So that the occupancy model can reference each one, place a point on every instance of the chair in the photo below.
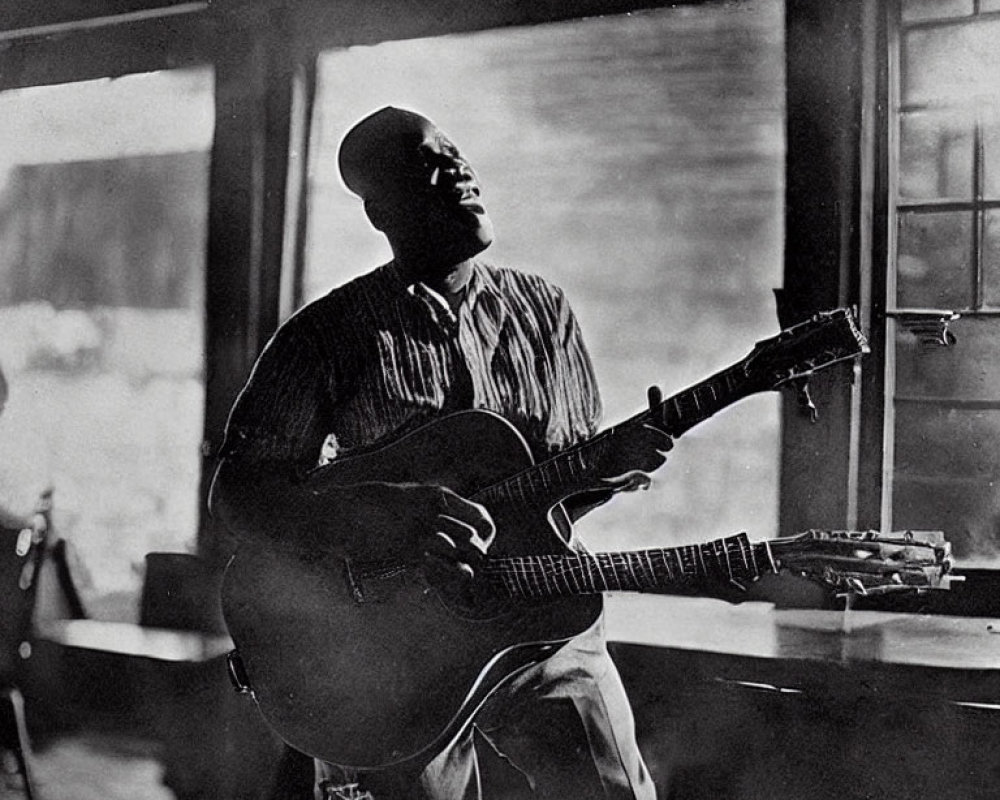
(21, 553)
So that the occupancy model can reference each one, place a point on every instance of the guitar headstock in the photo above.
(797, 352)
(868, 562)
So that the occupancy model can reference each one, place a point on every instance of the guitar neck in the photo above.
(730, 560)
(572, 470)
(826, 338)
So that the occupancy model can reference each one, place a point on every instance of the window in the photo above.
(103, 202)
(943, 404)
(637, 162)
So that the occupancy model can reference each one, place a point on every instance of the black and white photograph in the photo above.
(500, 400)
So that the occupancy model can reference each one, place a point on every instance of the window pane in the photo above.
(918, 10)
(968, 370)
(935, 160)
(991, 258)
(966, 510)
(934, 262)
(103, 202)
(956, 65)
(991, 152)
(927, 444)
(637, 162)
(945, 462)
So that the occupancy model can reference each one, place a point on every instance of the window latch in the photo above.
(929, 325)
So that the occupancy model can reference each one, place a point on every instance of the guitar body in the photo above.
(371, 670)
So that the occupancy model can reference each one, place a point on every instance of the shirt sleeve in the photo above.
(581, 398)
(279, 415)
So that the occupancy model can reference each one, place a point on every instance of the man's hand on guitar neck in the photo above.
(629, 454)
(633, 452)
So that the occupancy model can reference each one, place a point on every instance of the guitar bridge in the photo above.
(359, 577)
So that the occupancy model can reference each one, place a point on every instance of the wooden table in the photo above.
(123, 638)
(170, 686)
(750, 701)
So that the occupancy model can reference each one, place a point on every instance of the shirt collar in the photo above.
(482, 285)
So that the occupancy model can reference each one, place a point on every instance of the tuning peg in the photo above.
(805, 400)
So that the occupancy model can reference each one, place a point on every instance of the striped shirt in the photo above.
(379, 356)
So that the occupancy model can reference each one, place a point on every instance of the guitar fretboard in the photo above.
(733, 560)
(572, 470)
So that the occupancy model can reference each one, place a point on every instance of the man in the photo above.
(435, 331)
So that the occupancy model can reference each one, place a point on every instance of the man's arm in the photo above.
(267, 491)
(367, 521)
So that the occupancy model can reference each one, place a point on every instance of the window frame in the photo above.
(975, 205)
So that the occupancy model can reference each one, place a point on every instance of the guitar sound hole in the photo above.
(473, 599)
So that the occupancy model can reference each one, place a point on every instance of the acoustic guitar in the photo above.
(372, 665)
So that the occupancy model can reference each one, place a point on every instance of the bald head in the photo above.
(379, 150)
(419, 190)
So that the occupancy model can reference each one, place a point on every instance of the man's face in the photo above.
(436, 201)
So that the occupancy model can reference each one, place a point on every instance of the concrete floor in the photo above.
(94, 767)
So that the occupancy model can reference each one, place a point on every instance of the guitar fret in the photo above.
(576, 578)
(526, 577)
(517, 574)
(535, 578)
(701, 560)
(652, 570)
(631, 569)
(556, 467)
(677, 407)
(521, 491)
(743, 555)
(729, 564)
(545, 575)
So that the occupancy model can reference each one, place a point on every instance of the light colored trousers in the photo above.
(562, 729)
